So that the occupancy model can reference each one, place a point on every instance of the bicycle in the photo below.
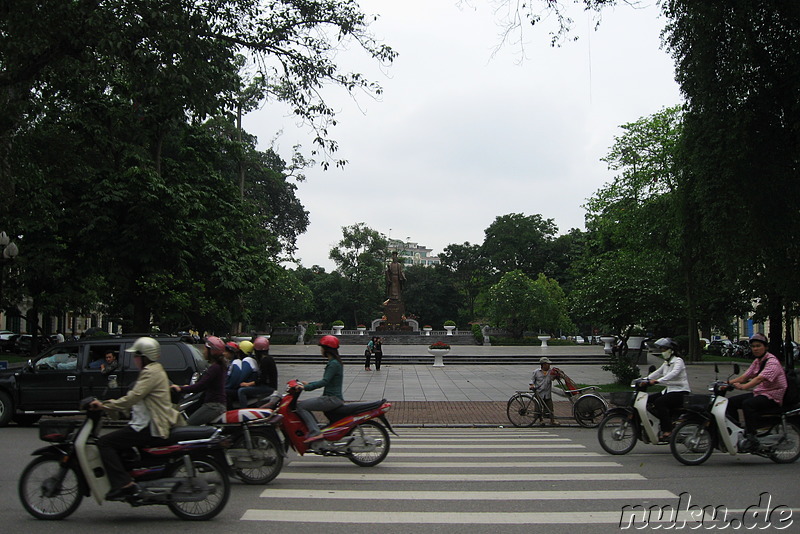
(524, 408)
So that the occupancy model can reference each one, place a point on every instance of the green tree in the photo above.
(430, 294)
(518, 303)
(519, 242)
(360, 258)
(737, 65)
(469, 271)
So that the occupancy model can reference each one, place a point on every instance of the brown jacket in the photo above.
(151, 388)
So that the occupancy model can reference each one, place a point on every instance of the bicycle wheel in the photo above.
(691, 443)
(788, 450)
(588, 410)
(617, 434)
(49, 490)
(523, 410)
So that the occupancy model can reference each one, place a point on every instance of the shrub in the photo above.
(449, 323)
(439, 345)
(478, 333)
(311, 332)
(338, 323)
(623, 369)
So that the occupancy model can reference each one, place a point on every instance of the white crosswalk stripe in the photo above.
(430, 471)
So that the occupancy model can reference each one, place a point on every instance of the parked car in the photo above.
(6, 340)
(57, 379)
(716, 347)
(23, 343)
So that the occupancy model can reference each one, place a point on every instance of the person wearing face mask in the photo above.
(766, 378)
(672, 374)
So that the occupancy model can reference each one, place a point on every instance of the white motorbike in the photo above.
(628, 421)
(704, 426)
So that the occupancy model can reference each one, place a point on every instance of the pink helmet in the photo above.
(261, 343)
(215, 345)
(329, 341)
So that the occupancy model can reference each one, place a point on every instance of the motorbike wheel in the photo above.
(523, 410)
(268, 449)
(370, 444)
(691, 443)
(787, 451)
(588, 410)
(220, 489)
(617, 434)
(48, 493)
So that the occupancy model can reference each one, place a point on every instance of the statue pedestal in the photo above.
(394, 311)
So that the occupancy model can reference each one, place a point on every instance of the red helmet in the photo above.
(329, 341)
(261, 343)
(215, 345)
(232, 346)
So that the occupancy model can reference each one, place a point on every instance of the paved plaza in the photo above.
(462, 394)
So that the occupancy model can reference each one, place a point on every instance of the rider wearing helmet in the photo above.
(766, 378)
(212, 383)
(672, 374)
(152, 417)
(332, 396)
(266, 381)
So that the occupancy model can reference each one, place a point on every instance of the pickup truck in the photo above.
(54, 382)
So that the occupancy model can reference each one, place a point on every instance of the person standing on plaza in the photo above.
(368, 353)
(542, 383)
(377, 351)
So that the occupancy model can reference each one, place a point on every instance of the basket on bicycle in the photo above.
(56, 431)
(621, 398)
(695, 402)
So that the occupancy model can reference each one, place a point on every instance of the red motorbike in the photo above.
(353, 430)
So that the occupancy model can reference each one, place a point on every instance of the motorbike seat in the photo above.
(188, 433)
(352, 408)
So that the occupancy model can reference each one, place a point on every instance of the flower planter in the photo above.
(607, 340)
(361, 330)
(427, 330)
(438, 355)
(543, 339)
(337, 330)
(449, 329)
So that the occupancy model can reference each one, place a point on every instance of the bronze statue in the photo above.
(395, 278)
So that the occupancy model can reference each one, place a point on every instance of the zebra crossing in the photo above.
(461, 477)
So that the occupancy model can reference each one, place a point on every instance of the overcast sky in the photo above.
(462, 135)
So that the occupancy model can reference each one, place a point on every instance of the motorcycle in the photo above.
(352, 432)
(704, 426)
(629, 420)
(187, 475)
(256, 454)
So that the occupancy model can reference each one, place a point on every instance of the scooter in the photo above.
(629, 421)
(256, 455)
(704, 426)
(188, 475)
(353, 431)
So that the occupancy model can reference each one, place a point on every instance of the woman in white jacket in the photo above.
(672, 374)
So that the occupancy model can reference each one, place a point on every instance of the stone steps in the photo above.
(453, 358)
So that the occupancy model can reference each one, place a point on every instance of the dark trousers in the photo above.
(752, 406)
(367, 355)
(664, 405)
(122, 440)
(378, 358)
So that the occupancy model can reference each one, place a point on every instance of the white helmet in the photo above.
(147, 347)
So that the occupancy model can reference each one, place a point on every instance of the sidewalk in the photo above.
(462, 394)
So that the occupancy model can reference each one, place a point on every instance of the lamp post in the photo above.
(8, 251)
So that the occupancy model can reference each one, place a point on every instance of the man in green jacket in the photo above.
(152, 417)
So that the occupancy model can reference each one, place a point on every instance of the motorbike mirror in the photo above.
(736, 368)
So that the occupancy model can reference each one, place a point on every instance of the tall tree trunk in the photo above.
(775, 303)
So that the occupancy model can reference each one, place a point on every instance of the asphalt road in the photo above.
(450, 480)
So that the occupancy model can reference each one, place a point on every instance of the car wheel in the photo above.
(6, 408)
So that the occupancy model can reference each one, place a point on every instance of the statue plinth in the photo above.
(394, 311)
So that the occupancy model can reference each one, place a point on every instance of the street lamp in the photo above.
(9, 252)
